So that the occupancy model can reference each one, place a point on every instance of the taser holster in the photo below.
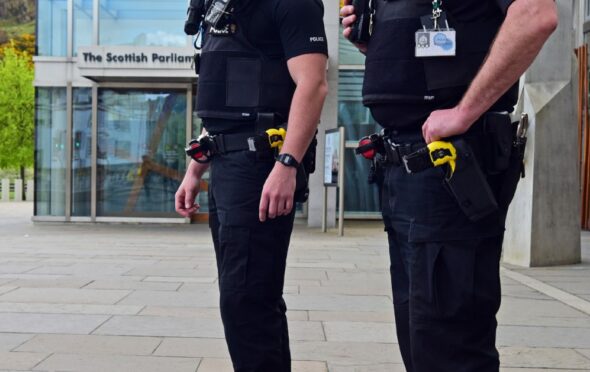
(469, 185)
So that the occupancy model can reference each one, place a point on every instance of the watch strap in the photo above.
(288, 160)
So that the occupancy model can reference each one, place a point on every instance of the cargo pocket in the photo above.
(443, 281)
(234, 247)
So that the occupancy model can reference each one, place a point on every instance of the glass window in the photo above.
(82, 23)
(50, 154)
(197, 127)
(360, 196)
(140, 22)
(351, 113)
(141, 160)
(81, 151)
(348, 53)
(52, 27)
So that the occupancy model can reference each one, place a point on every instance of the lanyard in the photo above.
(436, 12)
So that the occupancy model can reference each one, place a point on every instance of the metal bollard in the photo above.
(30, 195)
(5, 190)
(18, 190)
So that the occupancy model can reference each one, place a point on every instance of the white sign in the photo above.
(128, 61)
(332, 157)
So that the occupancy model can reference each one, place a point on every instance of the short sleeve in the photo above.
(301, 27)
(504, 4)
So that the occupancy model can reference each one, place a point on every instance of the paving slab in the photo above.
(139, 297)
(50, 323)
(116, 363)
(55, 282)
(584, 352)
(193, 348)
(224, 365)
(161, 327)
(346, 353)
(120, 283)
(338, 302)
(90, 309)
(360, 332)
(353, 316)
(10, 341)
(20, 361)
(548, 337)
(65, 296)
(527, 357)
(90, 344)
(177, 299)
(388, 367)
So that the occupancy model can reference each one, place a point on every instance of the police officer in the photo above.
(265, 68)
(423, 85)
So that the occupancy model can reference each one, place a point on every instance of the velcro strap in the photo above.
(418, 161)
(224, 143)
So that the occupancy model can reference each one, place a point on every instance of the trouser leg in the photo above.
(400, 285)
(252, 261)
(455, 295)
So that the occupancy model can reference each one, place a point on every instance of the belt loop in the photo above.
(219, 144)
(265, 121)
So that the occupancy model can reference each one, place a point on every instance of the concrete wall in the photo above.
(329, 120)
(543, 226)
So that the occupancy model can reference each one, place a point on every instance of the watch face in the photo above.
(288, 160)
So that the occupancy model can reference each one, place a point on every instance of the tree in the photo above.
(23, 45)
(17, 108)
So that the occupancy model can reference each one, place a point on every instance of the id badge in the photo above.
(435, 42)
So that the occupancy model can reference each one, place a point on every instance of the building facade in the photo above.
(115, 106)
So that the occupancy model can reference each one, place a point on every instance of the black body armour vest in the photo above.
(395, 78)
(237, 80)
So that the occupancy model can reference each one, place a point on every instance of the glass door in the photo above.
(140, 151)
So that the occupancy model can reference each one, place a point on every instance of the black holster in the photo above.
(307, 167)
(500, 153)
(469, 186)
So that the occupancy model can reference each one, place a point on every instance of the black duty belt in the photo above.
(395, 152)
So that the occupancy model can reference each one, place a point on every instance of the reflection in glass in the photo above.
(357, 119)
(52, 27)
(142, 23)
(351, 113)
(197, 127)
(82, 23)
(348, 53)
(141, 160)
(81, 151)
(360, 197)
(50, 154)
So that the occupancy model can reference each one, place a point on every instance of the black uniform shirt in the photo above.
(279, 28)
(287, 27)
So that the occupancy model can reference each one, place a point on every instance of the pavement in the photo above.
(87, 297)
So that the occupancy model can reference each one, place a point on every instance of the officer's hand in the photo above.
(277, 193)
(185, 196)
(445, 123)
(347, 12)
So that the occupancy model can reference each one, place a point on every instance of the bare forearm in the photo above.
(527, 26)
(306, 108)
(196, 169)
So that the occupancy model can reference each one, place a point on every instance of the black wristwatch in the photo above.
(288, 160)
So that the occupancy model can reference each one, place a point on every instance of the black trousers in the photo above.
(251, 259)
(444, 272)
